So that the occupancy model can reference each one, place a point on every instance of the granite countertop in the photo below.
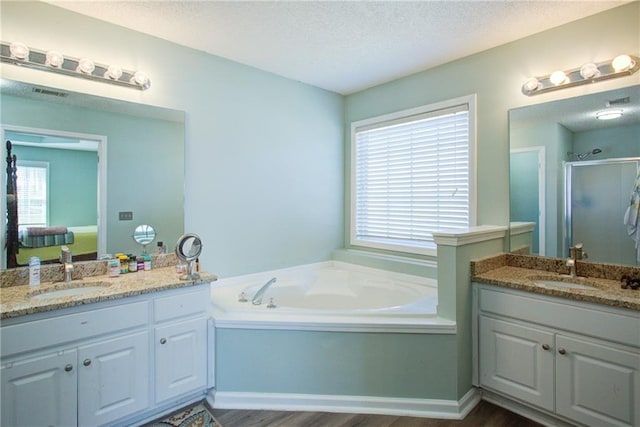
(513, 271)
(22, 300)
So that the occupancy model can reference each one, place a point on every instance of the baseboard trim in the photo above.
(432, 408)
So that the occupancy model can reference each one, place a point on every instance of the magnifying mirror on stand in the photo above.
(188, 249)
(144, 234)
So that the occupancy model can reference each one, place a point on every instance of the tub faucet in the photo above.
(67, 259)
(257, 298)
(576, 253)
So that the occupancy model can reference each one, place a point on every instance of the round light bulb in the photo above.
(54, 59)
(19, 50)
(113, 72)
(589, 71)
(140, 78)
(557, 77)
(531, 84)
(86, 66)
(622, 63)
(608, 114)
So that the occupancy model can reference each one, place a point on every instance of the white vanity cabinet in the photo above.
(88, 385)
(41, 391)
(180, 344)
(113, 378)
(517, 360)
(574, 360)
(106, 363)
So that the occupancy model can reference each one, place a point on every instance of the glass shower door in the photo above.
(596, 198)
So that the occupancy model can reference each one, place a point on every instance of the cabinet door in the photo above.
(40, 391)
(181, 358)
(517, 361)
(597, 384)
(113, 379)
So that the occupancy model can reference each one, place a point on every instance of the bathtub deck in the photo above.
(485, 414)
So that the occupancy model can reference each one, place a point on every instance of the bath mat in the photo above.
(193, 416)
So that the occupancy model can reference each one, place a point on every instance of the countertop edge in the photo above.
(131, 288)
(517, 278)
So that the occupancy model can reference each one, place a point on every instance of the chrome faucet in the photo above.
(66, 258)
(257, 298)
(576, 253)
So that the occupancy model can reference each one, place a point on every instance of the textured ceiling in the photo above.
(342, 46)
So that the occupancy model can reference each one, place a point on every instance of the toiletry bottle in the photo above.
(124, 263)
(34, 271)
(133, 264)
(114, 267)
(140, 266)
(147, 262)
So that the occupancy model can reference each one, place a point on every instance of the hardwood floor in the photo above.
(484, 414)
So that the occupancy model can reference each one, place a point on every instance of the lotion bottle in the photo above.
(34, 271)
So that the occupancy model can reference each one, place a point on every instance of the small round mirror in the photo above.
(144, 234)
(188, 249)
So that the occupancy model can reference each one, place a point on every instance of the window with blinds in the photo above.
(33, 194)
(411, 176)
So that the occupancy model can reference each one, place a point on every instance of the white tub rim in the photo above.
(319, 320)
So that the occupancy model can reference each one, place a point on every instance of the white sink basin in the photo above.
(74, 290)
(563, 284)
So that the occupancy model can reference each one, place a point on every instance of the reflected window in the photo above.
(33, 194)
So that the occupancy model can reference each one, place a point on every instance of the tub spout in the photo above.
(257, 298)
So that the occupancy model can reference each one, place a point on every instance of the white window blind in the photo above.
(411, 178)
(32, 187)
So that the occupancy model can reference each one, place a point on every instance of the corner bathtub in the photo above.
(330, 296)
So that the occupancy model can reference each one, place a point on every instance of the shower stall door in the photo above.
(597, 195)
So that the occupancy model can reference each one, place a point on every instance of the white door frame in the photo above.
(102, 181)
(542, 190)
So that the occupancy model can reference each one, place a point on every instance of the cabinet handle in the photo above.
(86, 362)
(562, 351)
(163, 340)
(545, 346)
(68, 368)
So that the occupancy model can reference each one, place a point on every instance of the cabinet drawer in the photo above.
(181, 305)
(72, 327)
(555, 313)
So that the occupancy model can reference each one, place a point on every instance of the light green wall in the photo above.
(336, 363)
(73, 181)
(145, 165)
(557, 141)
(266, 172)
(496, 76)
(618, 141)
(264, 185)
(404, 265)
(455, 302)
(263, 181)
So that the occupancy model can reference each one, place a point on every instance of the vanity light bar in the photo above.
(53, 61)
(620, 66)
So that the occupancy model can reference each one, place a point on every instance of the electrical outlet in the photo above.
(125, 216)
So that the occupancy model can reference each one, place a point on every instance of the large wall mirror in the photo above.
(572, 174)
(108, 165)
